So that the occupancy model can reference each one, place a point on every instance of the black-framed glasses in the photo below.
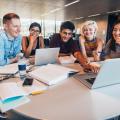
(33, 30)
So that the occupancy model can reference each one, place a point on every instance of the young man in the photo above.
(10, 40)
(68, 46)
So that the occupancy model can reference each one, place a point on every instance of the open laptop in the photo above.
(46, 55)
(108, 75)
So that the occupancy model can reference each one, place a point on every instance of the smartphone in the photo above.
(28, 81)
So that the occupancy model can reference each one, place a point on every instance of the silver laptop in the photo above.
(108, 75)
(46, 55)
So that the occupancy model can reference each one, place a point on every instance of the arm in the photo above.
(3, 56)
(82, 41)
(86, 65)
(107, 50)
(27, 50)
(17, 49)
(3, 59)
(41, 41)
(97, 53)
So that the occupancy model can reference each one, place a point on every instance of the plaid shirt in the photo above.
(9, 47)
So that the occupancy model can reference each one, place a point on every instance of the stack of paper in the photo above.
(51, 73)
(9, 69)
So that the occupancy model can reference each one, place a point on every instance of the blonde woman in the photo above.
(91, 46)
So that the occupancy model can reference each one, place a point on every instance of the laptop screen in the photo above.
(46, 55)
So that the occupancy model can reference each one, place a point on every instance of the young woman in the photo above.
(33, 41)
(112, 48)
(91, 46)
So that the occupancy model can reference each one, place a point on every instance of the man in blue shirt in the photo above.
(10, 39)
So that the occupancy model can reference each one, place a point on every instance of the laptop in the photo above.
(46, 55)
(108, 75)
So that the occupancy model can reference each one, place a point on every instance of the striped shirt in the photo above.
(90, 46)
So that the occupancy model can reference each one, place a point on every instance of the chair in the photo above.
(46, 42)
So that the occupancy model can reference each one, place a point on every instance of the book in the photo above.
(11, 96)
(9, 69)
(51, 74)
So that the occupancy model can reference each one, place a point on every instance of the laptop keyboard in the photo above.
(90, 80)
(88, 77)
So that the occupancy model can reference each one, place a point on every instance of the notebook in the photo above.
(51, 74)
(108, 75)
(46, 55)
(11, 96)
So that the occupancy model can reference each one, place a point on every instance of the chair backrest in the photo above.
(46, 42)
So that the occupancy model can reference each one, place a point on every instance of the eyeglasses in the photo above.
(33, 30)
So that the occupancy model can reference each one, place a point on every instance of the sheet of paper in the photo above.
(10, 90)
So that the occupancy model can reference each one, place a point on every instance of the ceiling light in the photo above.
(79, 18)
(94, 15)
(57, 9)
(113, 11)
(72, 3)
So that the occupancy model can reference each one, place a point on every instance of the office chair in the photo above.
(13, 115)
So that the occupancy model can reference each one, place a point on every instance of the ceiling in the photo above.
(56, 10)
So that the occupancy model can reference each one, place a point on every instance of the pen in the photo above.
(37, 92)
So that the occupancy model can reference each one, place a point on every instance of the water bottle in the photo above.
(22, 69)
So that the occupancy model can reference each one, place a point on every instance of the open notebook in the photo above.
(108, 75)
(51, 73)
(11, 96)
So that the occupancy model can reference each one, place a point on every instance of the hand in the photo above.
(33, 37)
(96, 56)
(94, 67)
(14, 60)
(32, 60)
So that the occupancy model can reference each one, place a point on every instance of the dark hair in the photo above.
(113, 45)
(9, 16)
(35, 24)
(67, 25)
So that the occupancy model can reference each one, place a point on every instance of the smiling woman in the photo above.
(112, 48)
(33, 41)
(91, 45)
